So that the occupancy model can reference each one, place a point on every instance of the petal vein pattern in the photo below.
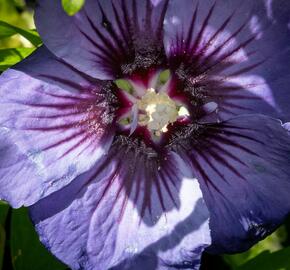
(111, 218)
(107, 39)
(230, 53)
(59, 122)
(141, 119)
(243, 167)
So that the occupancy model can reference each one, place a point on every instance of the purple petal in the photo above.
(117, 217)
(243, 168)
(287, 126)
(234, 51)
(106, 39)
(57, 120)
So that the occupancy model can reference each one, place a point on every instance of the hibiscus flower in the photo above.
(144, 132)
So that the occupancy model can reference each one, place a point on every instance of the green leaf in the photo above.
(7, 30)
(27, 252)
(71, 7)
(9, 57)
(272, 243)
(279, 260)
(2, 245)
(4, 208)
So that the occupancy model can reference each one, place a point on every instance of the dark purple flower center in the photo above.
(168, 95)
(150, 105)
(158, 110)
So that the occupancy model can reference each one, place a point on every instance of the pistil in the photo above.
(156, 111)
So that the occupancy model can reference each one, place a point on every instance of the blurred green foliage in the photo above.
(271, 244)
(9, 57)
(4, 208)
(16, 13)
(8, 30)
(20, 248)
(26, 251)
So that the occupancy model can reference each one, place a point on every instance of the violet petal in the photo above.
(95, 223)
(57, 119)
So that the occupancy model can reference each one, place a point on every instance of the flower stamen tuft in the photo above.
(157, 111)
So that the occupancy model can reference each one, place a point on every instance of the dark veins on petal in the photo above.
(129, 41)
(203, 63)
(88, 114)
(238, 160)
(149, 179)
(210, 63)
(132, 45)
